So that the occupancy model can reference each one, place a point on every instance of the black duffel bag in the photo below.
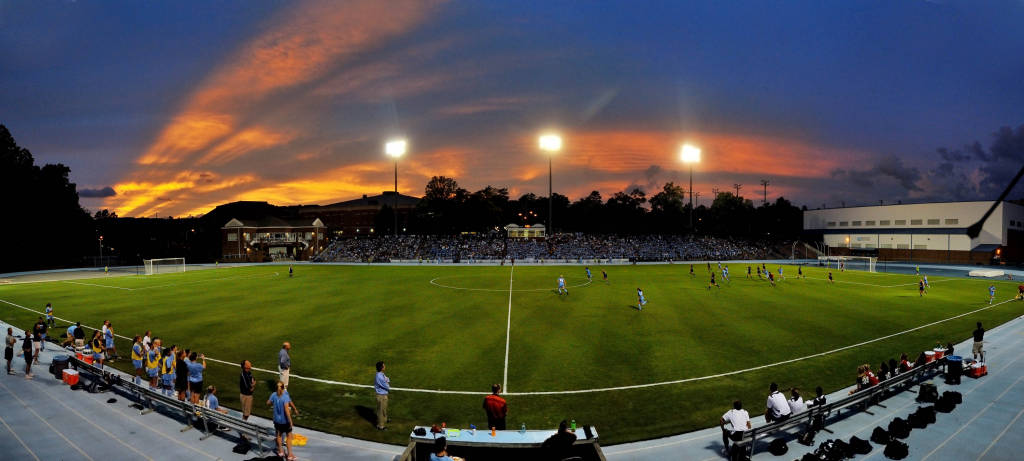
(58, 365)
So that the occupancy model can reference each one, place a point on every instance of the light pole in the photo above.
(690, 155)
(550, 143)
(765, 182)
(395, 149)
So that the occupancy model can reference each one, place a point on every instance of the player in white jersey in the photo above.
(561, 286)
(641, 301)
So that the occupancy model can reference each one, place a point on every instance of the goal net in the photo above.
(860, 263)
(164, 266)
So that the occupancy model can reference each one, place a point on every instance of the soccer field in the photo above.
(447, 333)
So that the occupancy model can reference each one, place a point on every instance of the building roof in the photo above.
(274, 221)
(385, 198)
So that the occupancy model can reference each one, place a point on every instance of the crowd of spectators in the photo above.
(576, 246)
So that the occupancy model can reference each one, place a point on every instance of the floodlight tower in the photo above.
(395, 148)
(550, 143)
(737, 187)
(764, 182)
(690, 155)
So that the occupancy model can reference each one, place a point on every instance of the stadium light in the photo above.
(395, 148)
(550, 143)
(690, 155)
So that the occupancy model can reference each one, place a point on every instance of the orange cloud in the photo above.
(248, 140)
(146, 197)
(632, 151)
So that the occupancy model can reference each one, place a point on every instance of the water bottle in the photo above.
(472, 429)
(574, 425)
(522, 428)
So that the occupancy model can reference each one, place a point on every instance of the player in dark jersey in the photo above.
(771, 278)
(691, 271)
(713, 282)
(749, 276)
(920, 287)
(830, 278)
(799, 272)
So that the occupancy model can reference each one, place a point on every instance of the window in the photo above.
(856, 223)
(309, 236)
(869, 223)
(843, 223)
(885, 245)
(884, 222)
(933, 222)
(915, 222)
(953, 221)
(920, 247)
(863, 239)
(901, 222)
(855, 245)
(902, 246)
(233, 237)
(831, 224)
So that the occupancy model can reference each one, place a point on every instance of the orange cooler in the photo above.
(70, 377)
(929, 356)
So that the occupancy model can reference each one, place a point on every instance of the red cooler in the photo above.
(939, 353)
(929, 356)
(70, 377)
(87, 359)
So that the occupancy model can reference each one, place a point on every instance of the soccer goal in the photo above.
(861, 263)
(164, 266)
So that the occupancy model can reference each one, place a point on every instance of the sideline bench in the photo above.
(859, 401)
(149, 399)
(504, 445)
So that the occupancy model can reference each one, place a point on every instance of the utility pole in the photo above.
(764, 182)
(714, 192)
(737, 187)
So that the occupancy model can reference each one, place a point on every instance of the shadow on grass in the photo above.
(367, 413)
(271, 385)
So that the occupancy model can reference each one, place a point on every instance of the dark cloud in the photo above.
(1005, 157)
(97, 193)
(886, 168)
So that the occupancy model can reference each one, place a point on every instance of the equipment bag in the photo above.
(859, 445)
(928, 413)
(899, 428)
(778, 447)
(806, 438)
(896, 450)
(957, 397)
(880, 436)
(58, 365)
(945, 405)
(928, 393)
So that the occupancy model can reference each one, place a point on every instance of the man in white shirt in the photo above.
(796, 402)
(739, 419)
(777, 406)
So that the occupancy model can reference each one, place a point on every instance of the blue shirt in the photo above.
(382, 385)
(279, 403)
(212, 402)
(71, 330)
(434, 457)
(283, 360)
(109, 334)
(195, 372)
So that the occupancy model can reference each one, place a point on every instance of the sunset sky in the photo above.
(173, 107)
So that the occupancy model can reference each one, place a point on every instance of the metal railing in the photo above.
(150, 399)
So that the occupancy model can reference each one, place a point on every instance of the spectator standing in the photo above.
(279, 400)
(49, 315)
(38, 333)
(181, 375)
(381, 387)
(979, 339)
(284, 362)
(195, 375)
(79, 335)
(496, 408)
(167, 370)
(97, 347)
(108, 338)
(153, 364)
(739, 420)
(138, 354)
(26, 350)
(777, 406)
(9, 349)
(246, 386)
(146, 341)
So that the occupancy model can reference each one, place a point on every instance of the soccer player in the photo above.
(725, 274)
(590, 278)
(917, 270)
(106, 270)
(830, 278)
(604, 275)
(561, 285)
(991, 293)
(781, 277)
(926, 285)
(709, 266)
(691, 270)
(764, 268)
(842, 266)
(799, 272)
(153, 363)
(167, 375)
(713, 283)
(291, 271)
(920, 287)
(641, 301)
(748, 273)
(108, 339)
(138, 354)
(1020, 292)
(719, 265)
(49, 315)
(759, 272)
(771, 279)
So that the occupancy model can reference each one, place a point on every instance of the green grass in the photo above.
(342, 319)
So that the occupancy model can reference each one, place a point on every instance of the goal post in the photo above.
(164, 265)
(863, 263)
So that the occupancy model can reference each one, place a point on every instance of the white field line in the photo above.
(587, 391)
(230, 277)
(434, 282)
(887, 286)
(508, 331)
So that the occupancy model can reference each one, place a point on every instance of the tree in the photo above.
(441, 188)
(105, 214)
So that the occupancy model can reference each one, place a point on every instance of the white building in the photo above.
(934, 231)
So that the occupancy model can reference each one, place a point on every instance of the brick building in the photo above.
(271, 238)
(359, 216)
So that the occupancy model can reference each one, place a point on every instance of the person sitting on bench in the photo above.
(739, 419)
(777, 408)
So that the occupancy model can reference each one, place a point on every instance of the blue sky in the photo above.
(180, 106)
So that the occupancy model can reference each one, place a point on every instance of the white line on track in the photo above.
(508, 330)
(583, 391)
